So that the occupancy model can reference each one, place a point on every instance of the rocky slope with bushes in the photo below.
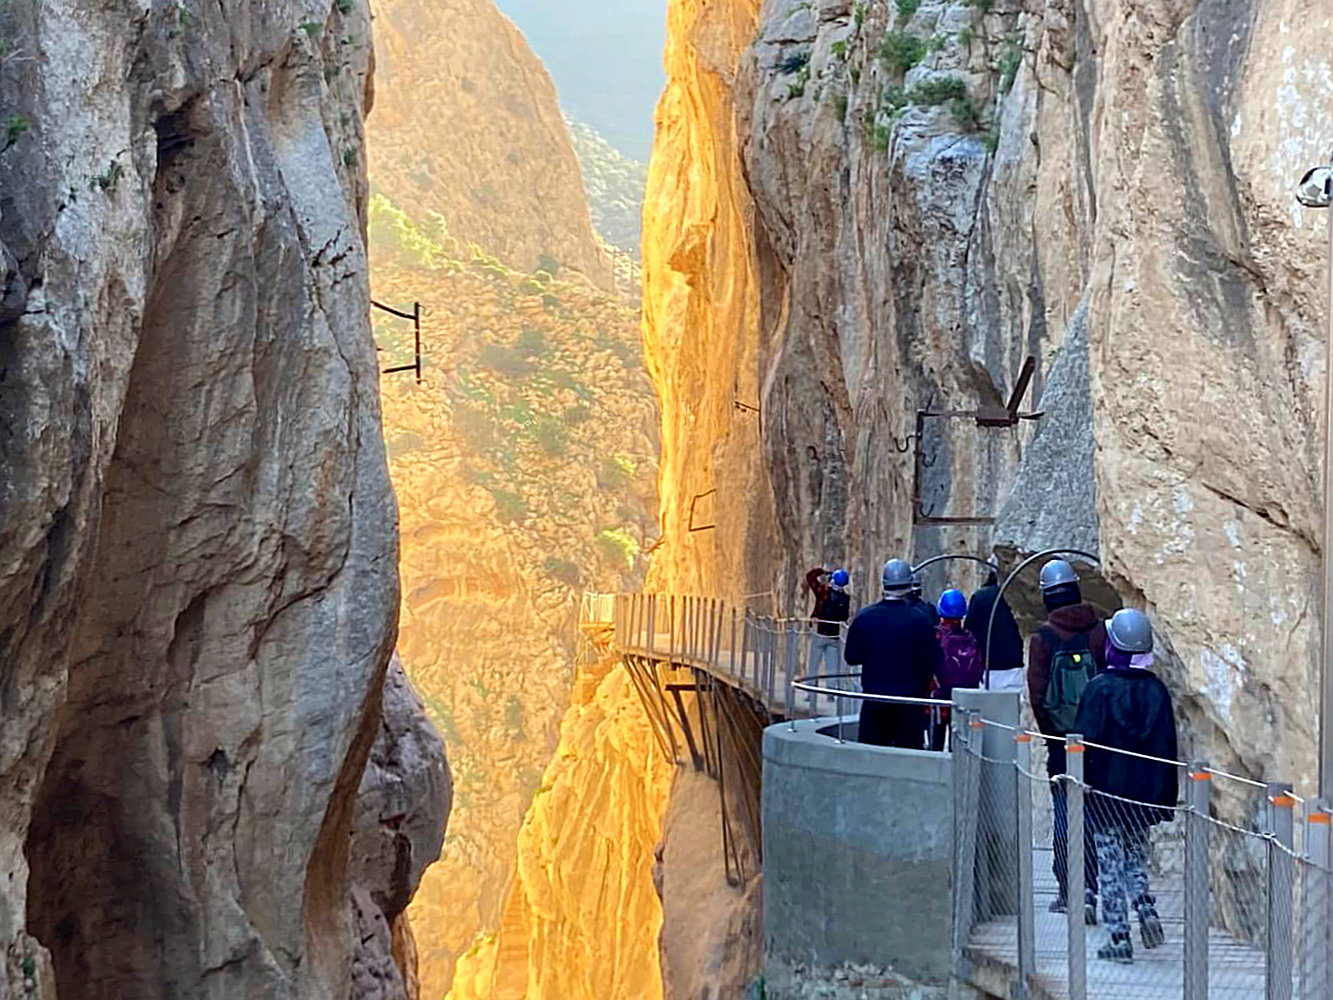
(525, 469)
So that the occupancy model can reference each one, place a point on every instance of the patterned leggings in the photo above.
(1122, 856)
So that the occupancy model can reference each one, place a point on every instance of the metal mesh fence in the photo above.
(1177, 903)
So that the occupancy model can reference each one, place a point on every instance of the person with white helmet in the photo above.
(1063, 656)
(832, 608)
(1129, 708)
(896, 647)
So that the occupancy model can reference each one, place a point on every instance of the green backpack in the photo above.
(1072, 667)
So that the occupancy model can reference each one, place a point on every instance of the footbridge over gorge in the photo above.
(894, 873)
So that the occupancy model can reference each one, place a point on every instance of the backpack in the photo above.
(1072, 668)
(961, 666)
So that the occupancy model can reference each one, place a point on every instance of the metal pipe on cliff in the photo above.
(1316, 191)
(1326, 550)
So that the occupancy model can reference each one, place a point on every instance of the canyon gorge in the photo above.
(253, 591)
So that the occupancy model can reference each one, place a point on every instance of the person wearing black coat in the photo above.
(1129, 708)
(1006, 644)
(898, 652)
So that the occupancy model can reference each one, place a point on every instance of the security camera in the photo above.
(1316, 188)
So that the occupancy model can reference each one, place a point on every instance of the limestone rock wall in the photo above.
(582, 915)
(198, 586)
(467, 125)
(934, 192)
(402, 809)
(702, 310)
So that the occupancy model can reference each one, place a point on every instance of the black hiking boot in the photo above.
(1150, 926)
(1118, 949)
(1090, 908)
(1058, 905)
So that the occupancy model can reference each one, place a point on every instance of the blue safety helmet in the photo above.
(840, 578)
(953, 604)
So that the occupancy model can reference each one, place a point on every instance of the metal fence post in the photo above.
(747, 643)
(1315, 924)
(732, 670)
(772, 686)
(1027, 918)
(1077, 931)
(1280, 882)
(792, 646)
(968, 743)
(1198, 886)
(652, 625)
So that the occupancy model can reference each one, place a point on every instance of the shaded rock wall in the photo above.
(198, 584)
(933, 198)
(467, 125)
(402, 808)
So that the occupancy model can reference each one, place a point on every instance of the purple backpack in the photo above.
(962, 667)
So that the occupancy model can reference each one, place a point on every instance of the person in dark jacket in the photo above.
(1069, 624)
(920, 603)
(896, 648)
(1129, 708)
(832, 608)
(1005, 666)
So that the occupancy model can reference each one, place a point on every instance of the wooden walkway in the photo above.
(1235, 971)
(765, 684)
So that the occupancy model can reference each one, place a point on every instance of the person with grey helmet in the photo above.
(1129, 708)
(896, 648)
(1063, 656)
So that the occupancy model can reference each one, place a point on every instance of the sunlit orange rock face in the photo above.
(703, 331)
(702, 313)
(582, 917)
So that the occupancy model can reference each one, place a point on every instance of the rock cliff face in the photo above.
(402, 807)
(467, 125)
(932, 192)
(701, 311)
(582, 916)
(198, 587)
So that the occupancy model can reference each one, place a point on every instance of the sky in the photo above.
(608, 69)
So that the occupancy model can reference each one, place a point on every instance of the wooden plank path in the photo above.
(1235, 970)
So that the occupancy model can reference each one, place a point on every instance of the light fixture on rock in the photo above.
(1316, 188)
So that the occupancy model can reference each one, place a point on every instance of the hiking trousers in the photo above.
(825, 654)
(1122, 856)
(1055, 765)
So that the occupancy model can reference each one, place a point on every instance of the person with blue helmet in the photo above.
(895, 646)
(960, 660)
(953, 605)
(833, 606)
